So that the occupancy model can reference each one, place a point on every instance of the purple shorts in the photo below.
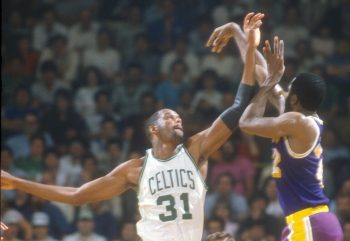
(318, 227)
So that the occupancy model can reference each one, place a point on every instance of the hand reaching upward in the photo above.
(253, 22)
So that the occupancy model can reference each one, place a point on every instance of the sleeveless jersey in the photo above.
(171, 198)
(299, 177)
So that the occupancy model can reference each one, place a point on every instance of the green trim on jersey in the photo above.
(143, 168)
(197, 167)
(170, 158)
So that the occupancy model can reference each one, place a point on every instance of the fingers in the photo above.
(248, 17)
(257, 17)
(281, 49)
(275, 45)
(212, 38)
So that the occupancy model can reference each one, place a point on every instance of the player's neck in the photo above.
(163, 151)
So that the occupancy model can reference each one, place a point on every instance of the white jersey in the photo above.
(171, 198)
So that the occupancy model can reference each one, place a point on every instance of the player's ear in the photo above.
(294, 100)
(153, 129)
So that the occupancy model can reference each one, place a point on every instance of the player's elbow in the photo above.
(244, 125)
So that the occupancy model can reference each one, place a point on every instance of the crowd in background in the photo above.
(79, 78)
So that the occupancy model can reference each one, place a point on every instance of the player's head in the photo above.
(165, 125)
(306, 93)
(220, 236)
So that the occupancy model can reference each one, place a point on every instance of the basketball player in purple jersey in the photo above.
(296, 137)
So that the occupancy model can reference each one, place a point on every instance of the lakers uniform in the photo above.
(171, 198)
(299, 180)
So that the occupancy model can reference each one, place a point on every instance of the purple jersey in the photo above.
(299, 176)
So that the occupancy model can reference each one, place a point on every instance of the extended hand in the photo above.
(220, 37)
(275, 61)
(252, 22)
(7, 181)
(3, 227)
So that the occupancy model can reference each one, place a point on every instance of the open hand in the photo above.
(252, 22)
(275, 61)
(7, 181)
(220, 37)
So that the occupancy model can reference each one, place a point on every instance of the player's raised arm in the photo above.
(252, 120)
(208, 141)
(112, 184)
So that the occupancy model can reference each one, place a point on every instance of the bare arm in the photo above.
(210, 140)
(114, 183)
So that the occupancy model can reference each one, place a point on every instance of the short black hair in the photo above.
(7, 149)
(48, 66)
(310, 90)
(152, 120)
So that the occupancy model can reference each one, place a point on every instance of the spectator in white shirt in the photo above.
(40, 222)
(82, 35)
(104, 56)
(85, 228)
(183, 53)
(66, 60)
(46, 29)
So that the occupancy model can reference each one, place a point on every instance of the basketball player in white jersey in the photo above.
(170, 177)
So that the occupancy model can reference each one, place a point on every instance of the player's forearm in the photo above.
(255, 109)
(241, 41)
(48, 192)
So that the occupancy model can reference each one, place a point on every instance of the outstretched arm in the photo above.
(202, 145)
(114, 183)
(252, 120)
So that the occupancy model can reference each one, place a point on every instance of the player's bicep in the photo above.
(106, 187)
(210, 140)
(269, 127)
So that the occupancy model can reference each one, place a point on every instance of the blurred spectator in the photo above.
(223, 194)
(84, 102)
(13, 113)
(141, 53)
(82, 35)
(58, 225)
(183, 53)
(102, 215)
(338, 66)
(273, 207)
(220, 236)
(214, 225)
(108, 131)
(322, 42)
(71, 164)
(292, 30)
(135, 122)
(13, 76)
(346, 229)
(48, 84)
(229, 9)
(7, 164)
(165, 26)
(52, 167)
(47, 29)
(224, 211)
(33, 163)
(62, 121)
(258, 224)
(85, 227)
(128, 232)
(66, 60)
(168, 92)
(226, 66)
(342, 206)
(27, 54)
(127, 95)
(103, 110)
(40, 222)
(89, 170)
(15, 223)
(199, 36)
(20, 143)
(128, 29)
(114, 156)
(306, 57)
(238, 165)
(104, 56)
(208, 99)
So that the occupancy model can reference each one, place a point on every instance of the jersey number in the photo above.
(170, 207)
(276, 170)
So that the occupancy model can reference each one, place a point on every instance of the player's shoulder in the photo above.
(294, 116)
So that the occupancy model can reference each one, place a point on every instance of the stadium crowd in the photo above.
(79, 77)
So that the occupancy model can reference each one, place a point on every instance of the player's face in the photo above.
(170, 126)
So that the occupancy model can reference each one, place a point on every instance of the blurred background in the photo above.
(79, 77)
